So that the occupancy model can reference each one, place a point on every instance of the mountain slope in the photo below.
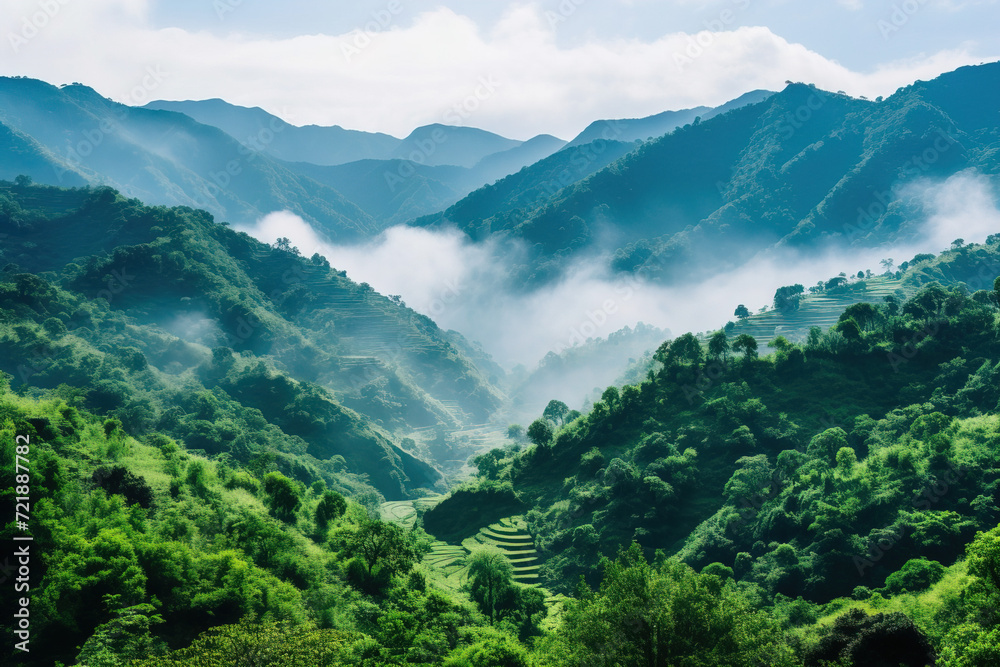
(265, 132)
(164, 158)
(787, 469)
(437, 144)
(291, 340)
(398, 191)
(794, 169)
(651, 127)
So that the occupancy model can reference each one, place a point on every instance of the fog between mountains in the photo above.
(465, 286)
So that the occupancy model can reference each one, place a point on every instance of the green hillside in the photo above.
(802, 168)
(78, 137)
(150, 304)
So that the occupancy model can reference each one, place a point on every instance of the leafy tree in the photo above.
(515, 432)
(742, 312)
(491, 583)
(555, 411)
(863, 314)
(492, 648)
(883, 639)
(984, 559)
(540, 432)
(331, 506)
(249, 644)
(119, 479)
(786, 298)
(747, 345)
(718, 345)
(664, 614)
(283, 496)
(918, 574)
(385, 545)
(827, 444)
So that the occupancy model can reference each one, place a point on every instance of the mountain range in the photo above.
(803, 168)
(241, 163)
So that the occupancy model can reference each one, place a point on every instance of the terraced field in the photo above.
(513, 540)
(815, 310)
(404, 512)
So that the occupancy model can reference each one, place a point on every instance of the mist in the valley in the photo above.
(465, 286)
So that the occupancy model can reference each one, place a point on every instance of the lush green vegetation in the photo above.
(807, 167)
(854, 467)
(169, 322)
(208, 466)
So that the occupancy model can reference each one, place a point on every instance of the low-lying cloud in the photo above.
(467, 287)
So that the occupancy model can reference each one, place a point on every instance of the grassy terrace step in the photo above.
(500, 528)
(504, 536)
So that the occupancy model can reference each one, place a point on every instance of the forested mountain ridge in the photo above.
(795, 169)
(651, 127)
(279, 139)
(169, 298)
(79, 137)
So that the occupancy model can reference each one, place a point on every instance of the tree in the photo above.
(957, 243)
(742, 312)
(718, 346)
(883, 639)
(120, 480)
(836, 282)
(515, 432)
(383, 544)
(825, 445)
(887, 265)
(685, 348)
(787, 298)
(282, 493)
(491, 583)
(849, 329)
(864, 315)
(664, 614)
(22, 181)
(331, 506)
(556, 411)
(540, 432)
(984, 559)
(747, 345)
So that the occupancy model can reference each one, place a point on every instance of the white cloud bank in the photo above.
(414, 70)
(463, 286)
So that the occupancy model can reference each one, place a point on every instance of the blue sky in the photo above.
(518, 68)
